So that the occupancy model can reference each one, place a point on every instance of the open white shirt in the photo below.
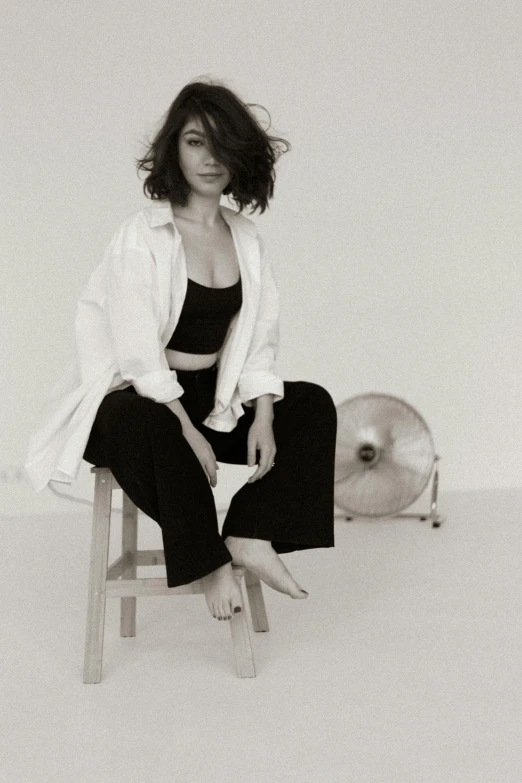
(125, 317)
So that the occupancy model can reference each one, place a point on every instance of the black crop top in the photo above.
(205, 317)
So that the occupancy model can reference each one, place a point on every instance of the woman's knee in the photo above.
(134, 413)
(317, 398)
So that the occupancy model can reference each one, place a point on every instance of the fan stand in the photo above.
(435, 518)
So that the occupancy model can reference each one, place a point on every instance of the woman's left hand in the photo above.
(261, 436)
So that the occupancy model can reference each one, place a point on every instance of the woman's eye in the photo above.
(194, 141)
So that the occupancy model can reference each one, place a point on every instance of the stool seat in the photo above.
(119, 579)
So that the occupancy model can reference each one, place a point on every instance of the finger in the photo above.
(254, 477)
(212, 473)
(251, 459)
(261, 470)
(213, 460)
(264, 464)
(270, 458)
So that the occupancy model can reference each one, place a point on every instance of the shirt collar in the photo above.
(161, 214)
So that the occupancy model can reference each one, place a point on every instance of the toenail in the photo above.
(237, 609)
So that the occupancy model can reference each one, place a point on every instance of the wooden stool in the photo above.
(119, 579)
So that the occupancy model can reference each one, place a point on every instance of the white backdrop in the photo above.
(394, 230)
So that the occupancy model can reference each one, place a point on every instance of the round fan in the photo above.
(384, 455)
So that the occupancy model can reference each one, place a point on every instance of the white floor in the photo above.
(402, 665)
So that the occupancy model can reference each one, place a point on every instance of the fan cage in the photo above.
(391, 509)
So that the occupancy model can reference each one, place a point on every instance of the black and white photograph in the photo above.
(260, 477)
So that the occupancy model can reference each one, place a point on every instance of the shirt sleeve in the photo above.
(133, 313)
(258, 375)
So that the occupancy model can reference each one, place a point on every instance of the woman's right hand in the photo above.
(203, 451)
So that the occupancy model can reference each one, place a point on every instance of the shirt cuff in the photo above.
(160, 385)
(255, 384)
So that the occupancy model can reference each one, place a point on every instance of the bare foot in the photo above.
(261, 558)
(222, 592)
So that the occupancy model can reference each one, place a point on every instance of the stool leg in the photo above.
(92, 669)
(256, 601)
(241, 641)
(129, 547)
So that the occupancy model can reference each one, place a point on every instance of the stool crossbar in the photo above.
(119, 579)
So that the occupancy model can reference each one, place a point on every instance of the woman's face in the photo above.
(196, 160)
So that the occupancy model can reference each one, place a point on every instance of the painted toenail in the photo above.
(237, 609)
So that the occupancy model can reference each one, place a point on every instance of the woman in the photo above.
(177, 336)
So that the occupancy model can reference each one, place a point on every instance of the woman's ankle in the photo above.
(220, 572)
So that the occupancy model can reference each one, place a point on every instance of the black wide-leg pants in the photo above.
(292, 505)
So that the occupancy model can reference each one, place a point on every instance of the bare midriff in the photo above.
(179, 360)
(211, 259)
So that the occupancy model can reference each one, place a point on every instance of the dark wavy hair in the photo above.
(238, 142)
